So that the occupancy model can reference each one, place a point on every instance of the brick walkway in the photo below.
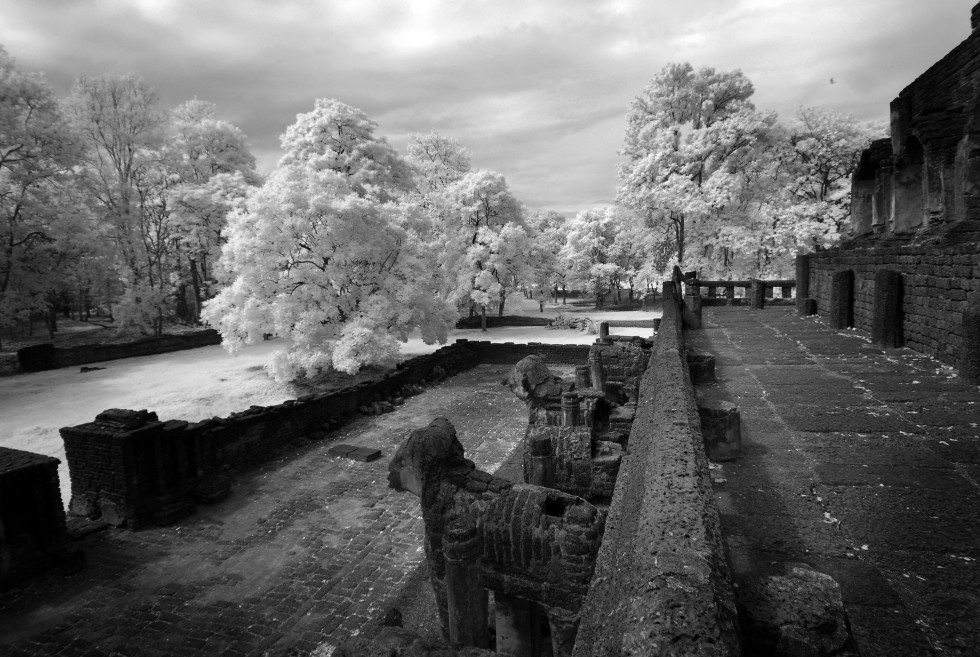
(861, 462)
(303, 554)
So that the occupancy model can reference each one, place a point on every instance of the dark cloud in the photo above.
(537, 91)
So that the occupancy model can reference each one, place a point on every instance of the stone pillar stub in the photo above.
(886, 320)
(842, 299)
(721, 426)
(464, 590)
(758, 294)
(970, 358)
(603, 330)
(702, 367)
(517, 625)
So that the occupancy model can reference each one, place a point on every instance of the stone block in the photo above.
(341, 450)
(702, 367)
(721, 427)
(365, 454)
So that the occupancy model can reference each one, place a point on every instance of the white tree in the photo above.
(341, 277)
(124, 132)
(45, 228)
(211, 167)
(478, 207)
(689, 136)
(588, 252)
(340, 138)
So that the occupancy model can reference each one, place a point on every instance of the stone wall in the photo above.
(662, 584)
(936, 284)
(33, 534)
(41, 357)
(130, 468)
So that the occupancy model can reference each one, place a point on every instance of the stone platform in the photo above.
(859, 461)
(305, 553)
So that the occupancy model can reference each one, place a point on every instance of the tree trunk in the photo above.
(500, 308)
(564, 291)
(52, 320)
(196, 283)
(556, 293)
(483, 319)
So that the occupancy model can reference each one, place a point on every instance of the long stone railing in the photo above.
(754, 291)
(662, 585)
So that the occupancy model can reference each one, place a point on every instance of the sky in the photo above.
(537, 90)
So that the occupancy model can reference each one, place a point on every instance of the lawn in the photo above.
(201, 383)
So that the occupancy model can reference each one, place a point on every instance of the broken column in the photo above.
(702, 367)
(721, 427)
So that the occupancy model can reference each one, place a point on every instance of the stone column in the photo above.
(539, 460)
(758, 294)
(970, 356)
(691, 316)
(464, 588)
(886, 320)
(802, 283)
(582, 379)
(564, 627)
(569, 409)
(842, 299)
(603, 330)
(517, 625)
(598, 375)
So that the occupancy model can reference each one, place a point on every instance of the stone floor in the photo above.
(304, 554)
(861, 462)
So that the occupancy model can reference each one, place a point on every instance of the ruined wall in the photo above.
(936, 284)
(915, 210)
(131, 469)
(928, 173)
(42, 357)
(662, 583)
(32, 523)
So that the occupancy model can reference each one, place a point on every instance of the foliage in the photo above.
(340, 138)
(45, 229)
(341, 277)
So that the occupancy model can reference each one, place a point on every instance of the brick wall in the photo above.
(936, 281)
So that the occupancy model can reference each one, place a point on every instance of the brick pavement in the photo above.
(863, 463)
(304, 554)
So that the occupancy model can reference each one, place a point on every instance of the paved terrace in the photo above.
(861, 462)
(304, 553)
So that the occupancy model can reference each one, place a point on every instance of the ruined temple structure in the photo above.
(927, 175)
(578, 430)
(530, 545)
(33, 534)
(909, 272)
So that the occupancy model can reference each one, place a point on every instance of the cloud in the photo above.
(537, 91)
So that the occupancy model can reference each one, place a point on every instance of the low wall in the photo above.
(130, 468)
(502, 353)
(936, 284)
(662, 584)
(37, 358)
